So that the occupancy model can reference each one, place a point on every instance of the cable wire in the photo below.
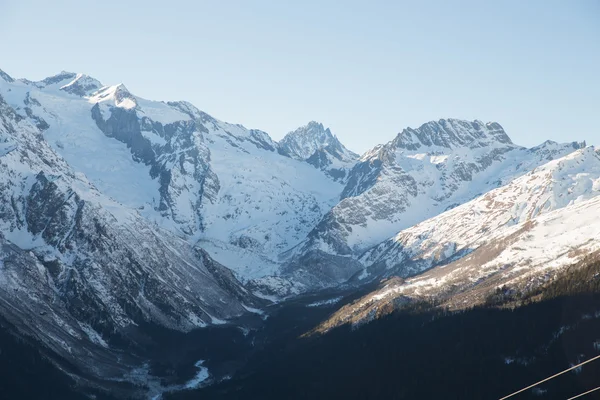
(551, 377)
(583, 394)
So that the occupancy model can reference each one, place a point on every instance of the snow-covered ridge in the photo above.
(451, 133)
(82, 85)
(6, 77)
(526, 254)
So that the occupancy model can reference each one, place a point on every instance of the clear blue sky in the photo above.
(366, 69)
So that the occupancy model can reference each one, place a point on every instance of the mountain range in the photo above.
(118, 212)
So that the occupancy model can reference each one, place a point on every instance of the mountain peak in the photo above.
(452, 133)
(82, 85)
(314, 130)
(316, 125)
(306, 140)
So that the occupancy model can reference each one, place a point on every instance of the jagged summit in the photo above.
(316, 145)
(306, 140)
(450, 134)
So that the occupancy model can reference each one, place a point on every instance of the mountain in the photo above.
(78, 269)
(319, 147)
(419, 174)
(517, 236)
(230, 188)
(119, 212)
(560, 183)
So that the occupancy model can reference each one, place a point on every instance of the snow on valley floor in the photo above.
(200, 377)
(156, 390)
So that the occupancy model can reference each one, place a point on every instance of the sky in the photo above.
(366, 69)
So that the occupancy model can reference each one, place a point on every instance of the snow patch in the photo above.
(325, 302)
(201, 376)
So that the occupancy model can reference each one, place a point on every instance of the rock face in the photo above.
(180, 164)
(419, 174)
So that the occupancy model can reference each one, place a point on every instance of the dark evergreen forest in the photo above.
(484, 353)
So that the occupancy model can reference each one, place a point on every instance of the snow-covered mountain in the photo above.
(253, 203)
(306, 203)
(232, 188)
(557, 184)
(419, 174)
(75, 265)
(516, 236)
